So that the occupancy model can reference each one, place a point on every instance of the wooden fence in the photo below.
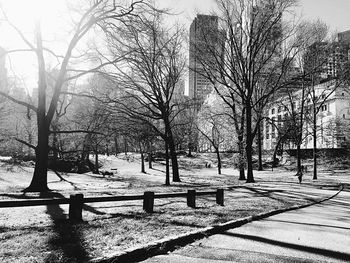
(77, 201)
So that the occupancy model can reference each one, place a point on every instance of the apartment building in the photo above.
(332, 119)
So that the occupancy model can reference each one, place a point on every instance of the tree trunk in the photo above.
(241, 162)
(125, 146)
(260, 166)
(175, 165)
(116, 146)
(274, 156)
(142, 160)
(84, 159)
(96, 168)
(189, 150)
(298, 158)
(249, 145)
(39, 180)
(107, 149)
(150, 156)
(314, 150)
(55, 148)
(219, 159)
(167, 170)
(142, 163)
(171, 145)
(150, 160)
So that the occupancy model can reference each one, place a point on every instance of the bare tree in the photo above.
(325, 66)
(149, 74)
(93, 14)
(185, 131)
(293, 98)
(214, 125)
(250, 62)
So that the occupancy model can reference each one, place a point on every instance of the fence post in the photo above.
(220, 196)
(76, 207)
(191, 198)
(148, 201)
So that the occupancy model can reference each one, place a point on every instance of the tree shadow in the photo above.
(308, 224)
(66, 242)
(20, 196)
(314, 250)
(159, 170)
(190, 185)
(93, 210)
(65, 180)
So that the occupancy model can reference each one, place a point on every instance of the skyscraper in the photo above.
(326, 59)
(203, 33)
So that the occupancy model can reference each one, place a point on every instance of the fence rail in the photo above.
(77, 201)
(34, 202)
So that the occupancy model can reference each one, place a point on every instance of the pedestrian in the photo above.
(300, 176)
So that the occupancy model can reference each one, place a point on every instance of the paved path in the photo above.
(319, 233)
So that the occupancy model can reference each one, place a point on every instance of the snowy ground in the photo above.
(116, 226)
(129, 180)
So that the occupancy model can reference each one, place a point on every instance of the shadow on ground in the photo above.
(318, 251)
(66, 241)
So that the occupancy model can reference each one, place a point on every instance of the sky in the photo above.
(335, 13)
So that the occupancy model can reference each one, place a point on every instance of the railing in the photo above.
(77, 201)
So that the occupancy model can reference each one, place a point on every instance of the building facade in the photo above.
(203, 33)
(332, 118)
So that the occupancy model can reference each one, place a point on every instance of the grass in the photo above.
(42, 234)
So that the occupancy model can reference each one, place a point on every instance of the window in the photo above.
(279, 121)
(324, 108)
(343, 116)
(273, 111)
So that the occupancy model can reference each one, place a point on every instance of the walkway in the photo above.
(319, 233)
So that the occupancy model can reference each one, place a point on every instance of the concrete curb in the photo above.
(162, 246)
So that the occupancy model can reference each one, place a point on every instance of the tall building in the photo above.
(266, 25)
(179, 90)
(203, 35)
(325, 60)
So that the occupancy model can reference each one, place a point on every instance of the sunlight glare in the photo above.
(24, 12)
